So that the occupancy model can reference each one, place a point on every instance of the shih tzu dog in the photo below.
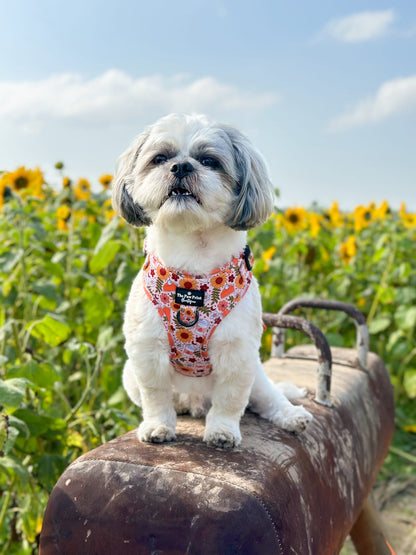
(193, 319)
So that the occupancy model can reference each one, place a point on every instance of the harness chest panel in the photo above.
(191, 307)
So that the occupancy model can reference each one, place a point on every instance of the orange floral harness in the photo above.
(191, 307)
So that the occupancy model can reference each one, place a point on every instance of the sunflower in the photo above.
(184, 335)
(363, 216)
(409, 220)
(63, 214)
(106, 180)
(109, 212)
(314, 224)
(268, 254)
(219, 280)
(189, 313)
(188, 283)
(25, 181)
(66, 182)
(162, 272)
(335, 217)
(278, 220)
(383, 211)
(348, 249)
(175, 306)
(82, 189)
(3, 187)
(295, 219)
(240, 281)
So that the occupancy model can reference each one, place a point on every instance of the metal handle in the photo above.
(323, 350)
(363, 337)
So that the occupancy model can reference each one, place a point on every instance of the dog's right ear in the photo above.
(123, 183)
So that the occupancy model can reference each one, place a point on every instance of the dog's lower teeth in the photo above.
(176, 193)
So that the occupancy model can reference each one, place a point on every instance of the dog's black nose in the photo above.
(182, 170)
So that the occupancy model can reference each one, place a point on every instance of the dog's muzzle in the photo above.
(181, 188)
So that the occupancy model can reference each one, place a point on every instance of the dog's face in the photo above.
(186, 172)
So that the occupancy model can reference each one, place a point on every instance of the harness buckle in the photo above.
(247, 253)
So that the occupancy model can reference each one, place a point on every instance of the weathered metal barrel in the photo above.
(277, 493)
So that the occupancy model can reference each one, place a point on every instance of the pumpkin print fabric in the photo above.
(191, 307)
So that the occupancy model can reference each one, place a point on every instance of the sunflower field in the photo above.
(66, 266)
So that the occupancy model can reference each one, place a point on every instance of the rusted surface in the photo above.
(327, 304)
(323, 352)
(363, 338)
(368, 535)
(277, 493)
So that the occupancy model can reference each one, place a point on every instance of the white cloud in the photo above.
(116, 97)
(360, 26)
(393, 97)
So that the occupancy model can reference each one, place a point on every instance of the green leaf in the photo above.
(39, 424)
(9, 260)
(12, 392)
(379, 324)
(387, 294)
(19, 425)
(51, 330)
(405, 317)
(97, 306)
(107, 234)
(106, 339)
(46, 289)
(335, 339)
(50, 467)
(4, 431)
(48, 294)
(409, 383)
(13, 464)
(394, 337)
(406, 295)
(42, 375)
(104, 256)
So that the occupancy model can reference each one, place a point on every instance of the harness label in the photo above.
(190, 297)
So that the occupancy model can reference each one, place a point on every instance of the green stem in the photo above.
(6, 502)
(70, 257)
(383, 283)
(17, 340)
(406, 361)
(88, 388)
(403, 454)
(24, 281)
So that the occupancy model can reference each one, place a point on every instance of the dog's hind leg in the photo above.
(130, 384)
(271, 402)
(195, 405)
(290, 390)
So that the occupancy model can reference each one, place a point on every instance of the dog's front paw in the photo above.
(225, 435)
(225, 440)
(297, 420)
(155, 433)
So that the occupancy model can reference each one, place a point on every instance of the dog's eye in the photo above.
(159, 159)
(210, 162)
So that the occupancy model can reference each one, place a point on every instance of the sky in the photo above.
(325, 90)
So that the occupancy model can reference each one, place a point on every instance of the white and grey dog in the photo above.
(193, 319)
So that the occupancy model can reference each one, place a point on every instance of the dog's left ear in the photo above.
(255, 197)
(123, 183)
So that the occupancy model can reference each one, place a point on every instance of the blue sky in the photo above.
(326, 90)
